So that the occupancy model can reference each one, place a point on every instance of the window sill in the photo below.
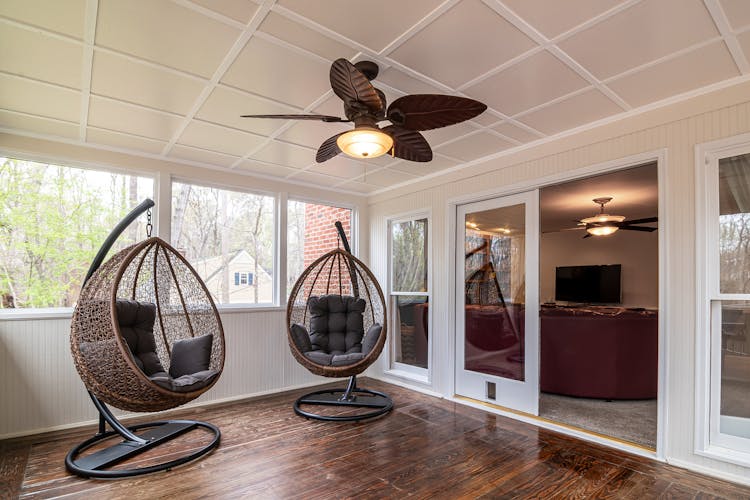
(41, 313)
(50, 313)
(725, 455)
(244, 308)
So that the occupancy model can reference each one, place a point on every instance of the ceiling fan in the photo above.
(365, 106)
(604, 224)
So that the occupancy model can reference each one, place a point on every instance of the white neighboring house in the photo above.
(242, 278)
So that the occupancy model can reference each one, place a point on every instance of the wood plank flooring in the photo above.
(426, 448)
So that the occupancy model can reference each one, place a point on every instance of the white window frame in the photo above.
(276, 299)
(709, 441)
(395, 368)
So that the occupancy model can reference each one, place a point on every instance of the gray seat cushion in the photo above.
(346, 359)
(185, 383)
(319, 357)
(337, 331)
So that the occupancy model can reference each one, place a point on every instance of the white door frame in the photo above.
(448, 378)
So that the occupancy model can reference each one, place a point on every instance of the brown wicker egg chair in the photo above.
(336, 327)
(145, 336)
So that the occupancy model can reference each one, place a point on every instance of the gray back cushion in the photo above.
(136, 321)
(336, 323)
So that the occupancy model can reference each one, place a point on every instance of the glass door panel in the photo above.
(497, 301)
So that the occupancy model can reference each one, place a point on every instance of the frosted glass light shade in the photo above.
(364, 142)
(602, 230)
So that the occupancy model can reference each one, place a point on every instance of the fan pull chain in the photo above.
(149, 226)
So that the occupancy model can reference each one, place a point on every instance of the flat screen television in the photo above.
(588, 284)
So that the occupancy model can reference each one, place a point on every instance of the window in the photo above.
(243, 279)
(225, 233)
(409, 295)
(53, 219)
(311, 233)
(724, 318)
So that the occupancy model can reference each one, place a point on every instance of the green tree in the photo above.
(52, 221)
(409, 247)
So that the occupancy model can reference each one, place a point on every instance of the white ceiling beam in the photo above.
(722, 24)
(556, 51)
(89, 37)
(229, 58)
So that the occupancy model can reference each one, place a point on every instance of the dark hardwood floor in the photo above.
(426, 448)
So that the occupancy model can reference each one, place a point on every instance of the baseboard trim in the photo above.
(405, 384)
(743, 480)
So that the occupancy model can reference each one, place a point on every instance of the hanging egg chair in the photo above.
(336, 327)
(145, 336)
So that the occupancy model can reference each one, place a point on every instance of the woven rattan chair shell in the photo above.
(149, 271)
(331, 274)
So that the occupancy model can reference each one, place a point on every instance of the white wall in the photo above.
(638, 252)
(675, 130)
(40, 389)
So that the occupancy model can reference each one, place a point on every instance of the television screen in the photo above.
(590, 284)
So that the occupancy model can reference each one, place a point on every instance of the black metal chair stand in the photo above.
(351, 397)
(96, 464)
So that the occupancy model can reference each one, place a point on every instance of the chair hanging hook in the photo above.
(149, 225)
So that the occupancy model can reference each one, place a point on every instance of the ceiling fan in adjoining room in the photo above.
(605, 224)
(365, 106)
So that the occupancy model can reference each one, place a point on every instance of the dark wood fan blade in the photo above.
(408, 144)
(637, 228)
(323, 118)
(328, 149)
(352, 86)
(642, 221)
(428, 111)
(588, 235)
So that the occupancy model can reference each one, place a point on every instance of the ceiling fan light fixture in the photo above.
(603, 218)
(605, 230)
(365, 142)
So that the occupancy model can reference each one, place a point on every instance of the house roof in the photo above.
(211, 266)
(169, 79)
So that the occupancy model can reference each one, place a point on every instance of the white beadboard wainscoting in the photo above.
(40, 389)
(671, 133)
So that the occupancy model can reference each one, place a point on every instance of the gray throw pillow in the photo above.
(301, 338)
(371, 338)
(190, 356)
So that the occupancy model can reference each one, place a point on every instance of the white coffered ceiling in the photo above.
(169, 79)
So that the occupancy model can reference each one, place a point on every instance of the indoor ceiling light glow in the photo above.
(365, 142)
(602, 224)
(602, 230)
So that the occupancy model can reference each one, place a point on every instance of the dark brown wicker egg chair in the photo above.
(145, 336)
(336, 327)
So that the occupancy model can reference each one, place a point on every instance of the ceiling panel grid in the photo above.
(170, 78)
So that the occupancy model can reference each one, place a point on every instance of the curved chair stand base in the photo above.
(351, 397)
(94, 464)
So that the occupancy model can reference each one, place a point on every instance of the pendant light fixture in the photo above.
(602, 224)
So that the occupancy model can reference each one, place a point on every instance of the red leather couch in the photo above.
(606, 354)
